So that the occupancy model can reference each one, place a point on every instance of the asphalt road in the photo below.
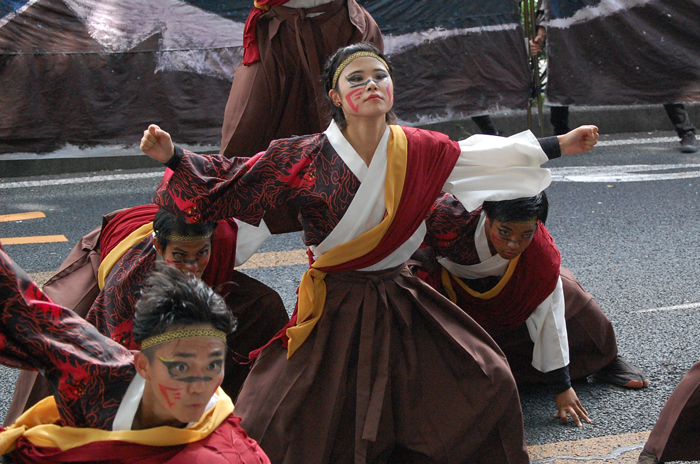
(629, 233)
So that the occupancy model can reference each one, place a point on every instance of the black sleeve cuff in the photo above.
(550, 146)
(559, 380)
(175, 160)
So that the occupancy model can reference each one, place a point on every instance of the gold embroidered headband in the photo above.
(352, 57)
(187, 238)
(179, 335)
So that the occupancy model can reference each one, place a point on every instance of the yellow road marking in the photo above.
(617, 449)
(36, 239)
(276, 258)
(21, 216)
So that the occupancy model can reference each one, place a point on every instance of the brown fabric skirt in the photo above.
(592, 343)
(282, 94)
(392, 372)
(259, 309)
(676, 434)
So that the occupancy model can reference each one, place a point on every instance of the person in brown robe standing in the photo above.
(276, 91)
(676, 435)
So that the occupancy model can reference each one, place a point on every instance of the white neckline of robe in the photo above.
(124, 419)
(488, 266)
(368, 207)
(488, 168)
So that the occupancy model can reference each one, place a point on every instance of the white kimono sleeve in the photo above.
(249, 239)
(498, 168)
(547, 328)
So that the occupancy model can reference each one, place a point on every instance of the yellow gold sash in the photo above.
(118, 251)
(38, 425)
(447, 284)
(312, 290)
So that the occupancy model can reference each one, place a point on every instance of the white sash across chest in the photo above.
(368, 207)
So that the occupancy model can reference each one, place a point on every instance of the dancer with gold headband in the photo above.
(375, 366)
(102, 276)
(160, 404)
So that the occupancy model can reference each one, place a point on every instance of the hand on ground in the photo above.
(157, 144)
(567, 403)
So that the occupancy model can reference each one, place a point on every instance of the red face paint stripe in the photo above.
(167, 392)
(353, 97)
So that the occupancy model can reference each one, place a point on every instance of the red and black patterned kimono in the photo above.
(676, 435)
(259, 309)
(391, 371)
(520, 308)
(90, 375)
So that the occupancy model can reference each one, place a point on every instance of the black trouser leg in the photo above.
(485, 124)
(559, 117)
(679, 117)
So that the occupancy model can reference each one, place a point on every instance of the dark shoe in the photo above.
(623, 374)
(689, 144)
(647, 458)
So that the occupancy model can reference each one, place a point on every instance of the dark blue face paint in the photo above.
(175, 374)
(362, 84)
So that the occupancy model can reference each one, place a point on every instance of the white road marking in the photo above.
(621, 142)
(626, 173)
(81, 180)
(669, 308)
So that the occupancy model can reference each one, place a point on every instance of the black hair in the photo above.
(170, 299)
(519, 210)
(166, 224)
(332, 65)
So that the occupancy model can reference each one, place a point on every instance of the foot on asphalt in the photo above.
(647, 458)
(623, 374)
(689, 144)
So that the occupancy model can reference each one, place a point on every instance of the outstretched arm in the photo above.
(89, 372)
(157, 144)
(579, 140)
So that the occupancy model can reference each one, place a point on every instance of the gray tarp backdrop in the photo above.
(99, 71)
(622, 52)
(91, 72)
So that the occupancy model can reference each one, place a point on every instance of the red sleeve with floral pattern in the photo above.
(305, 172)
(89, 373)
(112, 313)
(451, 230)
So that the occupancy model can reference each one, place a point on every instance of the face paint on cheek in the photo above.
(390, 92)
(170, 394)
(353, 97)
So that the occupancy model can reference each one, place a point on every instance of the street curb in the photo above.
(609, 119)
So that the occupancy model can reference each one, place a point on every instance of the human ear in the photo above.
(143, 365)
(335, 97)
(159, 249)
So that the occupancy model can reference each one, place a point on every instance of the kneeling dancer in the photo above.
(501, 266)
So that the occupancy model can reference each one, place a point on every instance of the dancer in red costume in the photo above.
(501, 266)
(102, 276)
(111, 405)
(375, 366)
